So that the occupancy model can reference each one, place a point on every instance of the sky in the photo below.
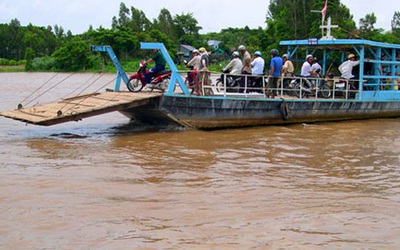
(212, 15)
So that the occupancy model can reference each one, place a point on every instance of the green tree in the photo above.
(186, 28)
(123, 42)
(73, 56)
(123, 19)
(29, 55)
(157, 36)
(396, 24)
(139, 21)
(367, 24)
(59, 31)
(293, 19)
(165, 24)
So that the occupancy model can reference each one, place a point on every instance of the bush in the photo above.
(12, 62)
(42, 64)
(21, 62)
(73, 56)
(3, 62)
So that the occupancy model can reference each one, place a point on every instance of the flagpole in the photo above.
(323, 13)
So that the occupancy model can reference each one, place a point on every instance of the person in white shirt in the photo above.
(194, 63)
(235, 65)
(346, 67)
(306, 67)
(257, 65)
(257, 69)
(315, 67)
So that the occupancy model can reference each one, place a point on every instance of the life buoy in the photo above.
(285, 111)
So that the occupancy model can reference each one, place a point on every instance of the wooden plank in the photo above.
(79, 107)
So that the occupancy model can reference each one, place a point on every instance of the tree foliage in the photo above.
(293, 19)
(396, 24)
(54, 48)
(72, 56)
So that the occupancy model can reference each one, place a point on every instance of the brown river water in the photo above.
(105, 184)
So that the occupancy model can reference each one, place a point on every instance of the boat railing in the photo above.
(318, 87)
(288, 86)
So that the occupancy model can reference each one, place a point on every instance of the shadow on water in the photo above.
(133, 128)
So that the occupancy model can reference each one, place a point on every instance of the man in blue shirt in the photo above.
(275, 70)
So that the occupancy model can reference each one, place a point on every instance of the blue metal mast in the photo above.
(120, 71)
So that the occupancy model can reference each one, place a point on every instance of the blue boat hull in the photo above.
(220, 112)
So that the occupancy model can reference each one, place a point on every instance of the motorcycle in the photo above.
(303, 86)
(231, 82)
(191, 80)
(345, 87)
(159, 80)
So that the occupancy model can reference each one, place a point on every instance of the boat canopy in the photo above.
(377, 59)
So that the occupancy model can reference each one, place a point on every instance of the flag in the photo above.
(323, 11)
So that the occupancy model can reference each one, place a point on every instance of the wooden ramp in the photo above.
(79, 107)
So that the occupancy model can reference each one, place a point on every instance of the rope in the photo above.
(348, 32)
(20, 105)
(84, 84)
(59, 113)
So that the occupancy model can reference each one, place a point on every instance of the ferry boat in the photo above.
(376, 94)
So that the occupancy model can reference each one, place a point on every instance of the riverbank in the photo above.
(18, 68)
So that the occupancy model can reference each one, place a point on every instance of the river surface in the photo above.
(105, 184)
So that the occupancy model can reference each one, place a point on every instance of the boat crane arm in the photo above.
(120, 71)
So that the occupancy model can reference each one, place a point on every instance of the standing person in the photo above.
(275, 69)
(193, 65)
(246, 59)
(257, 69)
(257, 65)
(203, 70)
(346, 70)
(160, 62)
(246, 70)
(287, 68)
(346, 67)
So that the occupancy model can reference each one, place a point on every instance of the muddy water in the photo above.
(104, 184)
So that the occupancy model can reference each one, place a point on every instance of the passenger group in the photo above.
(243, 64)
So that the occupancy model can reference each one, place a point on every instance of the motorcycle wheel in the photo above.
(219, 86)
(298, 91)
(290, 88)
(134, 85)
(165, 83)
(325, 91)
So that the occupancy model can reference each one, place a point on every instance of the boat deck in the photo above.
(79, 107)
